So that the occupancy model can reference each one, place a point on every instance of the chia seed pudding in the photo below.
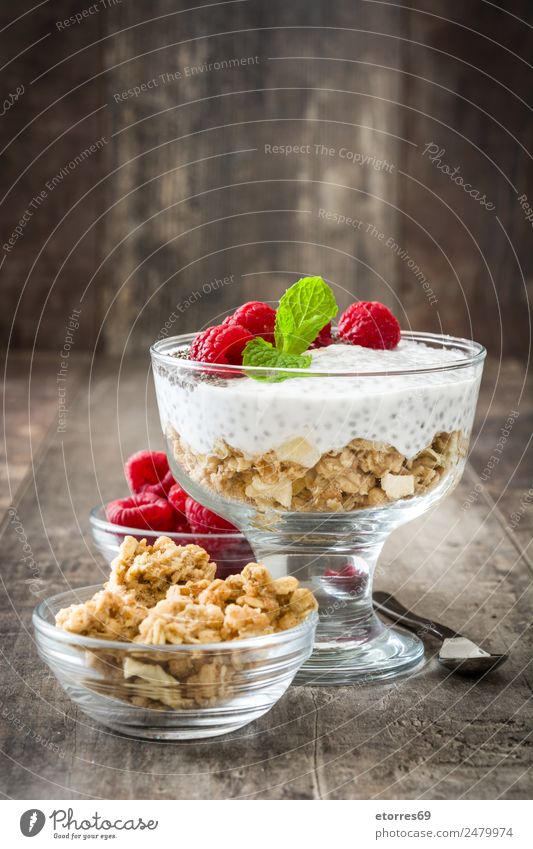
(361, 428)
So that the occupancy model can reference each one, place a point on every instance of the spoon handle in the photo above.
(392, 608)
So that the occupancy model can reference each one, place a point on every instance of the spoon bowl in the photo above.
(457, 653)
(473, 665)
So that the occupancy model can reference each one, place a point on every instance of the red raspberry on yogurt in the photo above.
(324, 338)
(369, 324)
(221, 344)
(257, 317)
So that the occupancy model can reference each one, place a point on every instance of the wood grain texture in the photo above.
(29, 398)
(430, 736)
(57, 118)
(501, 456)
(183, 193)
(197, 162)
(465, 92)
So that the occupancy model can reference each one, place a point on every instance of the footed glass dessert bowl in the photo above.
(318, 467)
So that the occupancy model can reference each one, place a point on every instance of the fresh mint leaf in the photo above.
(303, 311)
(305, 308)
(258, 352)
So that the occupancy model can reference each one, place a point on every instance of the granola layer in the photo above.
(362, 474)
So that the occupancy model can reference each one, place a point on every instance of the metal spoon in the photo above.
(457, 653)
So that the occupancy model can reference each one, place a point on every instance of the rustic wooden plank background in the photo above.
(182, 191)
(430, 736)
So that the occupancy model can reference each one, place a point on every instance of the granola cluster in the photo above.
(164, 594)
(108, 615)
(167, 594)
(244, 605)
(362, 474)
(148, 571)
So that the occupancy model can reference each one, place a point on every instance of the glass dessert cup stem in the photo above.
(338, 562)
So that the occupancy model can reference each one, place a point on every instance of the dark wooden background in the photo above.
(182, 190)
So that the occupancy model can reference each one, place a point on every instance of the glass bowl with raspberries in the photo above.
(156, 506)
(317, 436)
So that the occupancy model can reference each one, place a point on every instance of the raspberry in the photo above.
(220, 344)
(177, 497)
(348, 571)
(143, 510)
(181, 526)
(148, 471)
(324, 338)
(230, 557)
(370, 324)
(349, 578)
(204, 521)
(161, 489)
(258, 318)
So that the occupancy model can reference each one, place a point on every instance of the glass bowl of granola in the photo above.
(317, 442)
(166, 651)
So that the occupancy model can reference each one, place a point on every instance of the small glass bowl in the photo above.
(172, 692)
(231, 552)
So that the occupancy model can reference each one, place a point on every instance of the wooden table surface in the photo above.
(429, 736)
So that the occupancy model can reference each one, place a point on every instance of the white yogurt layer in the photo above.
(405, 411)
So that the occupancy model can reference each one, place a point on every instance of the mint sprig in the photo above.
(305, 308)
(259, 352)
